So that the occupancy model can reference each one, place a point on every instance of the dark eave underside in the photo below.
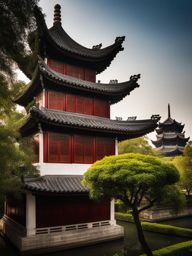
(59, 184)
(115, 128)
(56, 81)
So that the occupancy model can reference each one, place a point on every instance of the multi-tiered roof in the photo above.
(55, 43)
(170, 136)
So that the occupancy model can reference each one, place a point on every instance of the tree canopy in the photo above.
(14, 152)
(137, 180)
(137, 145)
(184, 165)
(188, 149)
(17, 22)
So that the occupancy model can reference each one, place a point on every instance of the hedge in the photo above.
(180, 249)
(156, 227)
(124, 216)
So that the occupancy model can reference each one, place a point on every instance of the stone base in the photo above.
(60, 240)
(159, 214)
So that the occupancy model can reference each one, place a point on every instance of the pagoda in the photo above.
(170, 137)
(71, 128)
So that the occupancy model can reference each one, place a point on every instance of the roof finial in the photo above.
(57, 15)
(169, 111)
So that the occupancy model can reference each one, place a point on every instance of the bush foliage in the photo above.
(180, 249)
(157, 227)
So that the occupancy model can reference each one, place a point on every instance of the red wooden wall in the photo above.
(71, 148)
(71, 70)
(60, 211)
(76, 103)
(15, 209)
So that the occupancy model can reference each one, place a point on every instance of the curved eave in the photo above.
(58, 41)
(63, 83)
(170, 135)
(120, 129)
(175, 127)
(32, 89)
(170, 122)
(171, 151)
(166, 141)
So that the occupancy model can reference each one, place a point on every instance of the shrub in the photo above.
(158, 228)
(124, 216)
(167, 229)
(180, 249)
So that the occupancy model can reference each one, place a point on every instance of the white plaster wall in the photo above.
(62, 169)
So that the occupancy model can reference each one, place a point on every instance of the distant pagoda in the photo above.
(170, 137)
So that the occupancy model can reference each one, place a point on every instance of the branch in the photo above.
(132, 193)
(125, 199)
(141, 197)
(147, 206)
(136, 194)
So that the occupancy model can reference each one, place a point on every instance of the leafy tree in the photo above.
(188, 149)
(184, 165)
(138, 145)
(137, 180)
(17, 21)
(14, 152)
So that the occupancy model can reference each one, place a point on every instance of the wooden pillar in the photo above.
(41, 153)
(30, 214)
(112, 205)
(44, 100)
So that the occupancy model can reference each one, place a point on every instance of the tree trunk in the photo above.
(140, 234)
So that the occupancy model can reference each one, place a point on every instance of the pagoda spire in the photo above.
(169, 111)
(57, 15)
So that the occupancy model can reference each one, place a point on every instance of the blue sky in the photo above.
(158, 45)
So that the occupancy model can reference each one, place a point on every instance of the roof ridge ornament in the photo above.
(97, 47)
(119, 39)
(156, 117)
(169, 111)
(135, 77)
(57, 15)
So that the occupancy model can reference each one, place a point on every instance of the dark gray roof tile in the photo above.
(92, 122)
(80, 122)
(56, 184)
(118, 88)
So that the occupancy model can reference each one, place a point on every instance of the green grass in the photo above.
(180, 249)
(156, 227)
